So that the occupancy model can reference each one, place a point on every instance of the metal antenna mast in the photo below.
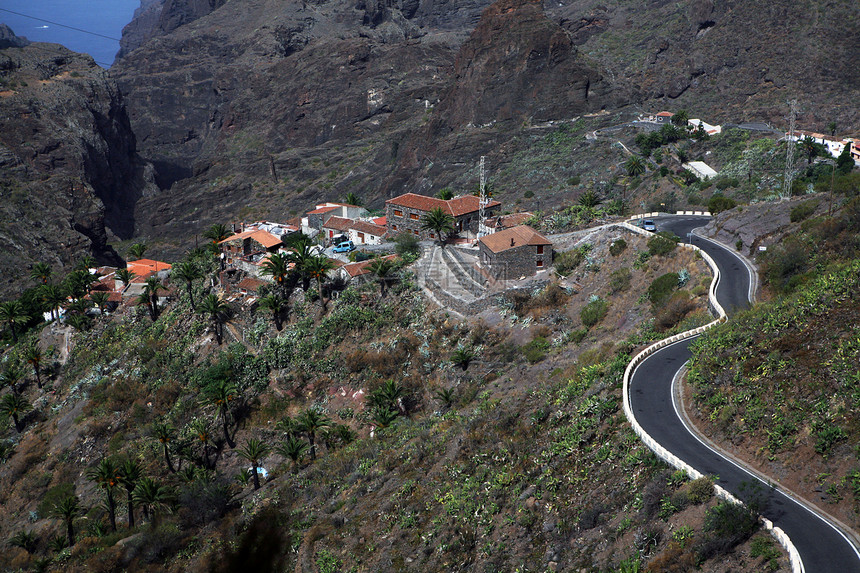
(789, 152)
(482, 204)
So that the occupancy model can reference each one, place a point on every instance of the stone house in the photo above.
(516, 252)
(313, 220)
(246, 250)
(405, 213)
(359, 232)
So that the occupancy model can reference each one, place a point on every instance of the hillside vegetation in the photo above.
(394, 436)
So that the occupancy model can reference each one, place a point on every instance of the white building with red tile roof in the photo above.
(405, 213)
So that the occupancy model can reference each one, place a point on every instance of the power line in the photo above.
(61, 25)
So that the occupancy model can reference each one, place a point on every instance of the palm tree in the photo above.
(107, 475)
(439, 222)
(68, 509)
(445, 193)
(383, 417)
(33, 356)
(446, 396)
(462, 357)
(124, 275)
(200, 430)
(277, 266)
(12, 313)
(681, 117)
(100, 299)
(310, 422)
(129, 476)
(188, 272)
(86, 263)
(41, 272)
(152, 496)
(26, 540)
(10, 376)
(277, 305)
(299, 255)
(352, 199)
(254, 451)
(808, 145)
(294, 448)
(165, 434)
(15, 406)
(831, 127)
(384, 269)
(635, 166)
(388, 395)
(78, 283)
(137, 250)
(79, 322)
(217, 233)
(589, 199)
(220, 395)
(218, 311)
(54, 297)
(318, 268)
(150, 295)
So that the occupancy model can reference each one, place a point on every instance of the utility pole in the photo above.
(482, 204)
(789, 152)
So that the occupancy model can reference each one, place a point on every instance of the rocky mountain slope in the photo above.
(69, 171)
(266, 105)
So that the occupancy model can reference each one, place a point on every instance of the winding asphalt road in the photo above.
(822, 547)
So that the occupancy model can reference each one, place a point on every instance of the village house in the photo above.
(834, 145)
(247, 250)
(359, 232)
(360, 269)
(313, 220)
(700, 169)
(516, 252)
(405, 213)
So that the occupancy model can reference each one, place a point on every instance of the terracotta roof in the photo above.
(265, 238)
(361, 267)
(665, 114)
(379, 221)
(369, 228)
(144, 267)
(321, 210)
(338, 223)
(513, 238)
(250, 283)
(507, 221)
(454, 207)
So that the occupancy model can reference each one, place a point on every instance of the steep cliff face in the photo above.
(69, 165)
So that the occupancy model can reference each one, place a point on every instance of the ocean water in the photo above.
(39, 21)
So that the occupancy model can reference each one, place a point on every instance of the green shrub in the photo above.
(803, 211)
(619, 280)
(575, 180)
(728, 519)
(406, 245)
(567, 261)
(662, 287)
(701, 490)
(662, 244)
(826, 436)
(617, 247)
(724, 183)
(719, 203)
(529, 194)
(535, 351)
(594, 312)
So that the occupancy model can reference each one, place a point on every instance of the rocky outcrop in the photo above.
(519, 66)
(70, 172)
(8, 39)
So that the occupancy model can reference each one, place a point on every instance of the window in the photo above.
(393, 227)
(416, 232)
(413, 216)
(398, 213)
(432, 235)
(540, 250)
(539, 263)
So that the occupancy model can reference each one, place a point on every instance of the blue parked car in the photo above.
(344, 247)
(649, 225)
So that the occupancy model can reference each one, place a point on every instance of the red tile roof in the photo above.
(665, 114)
(250, 284)
(338, 223)
(265, 238)
(144, 267)
(379, 221)
(321, 210)
(513, 238)
(361, 267)
(454, 207)
(369, 228)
